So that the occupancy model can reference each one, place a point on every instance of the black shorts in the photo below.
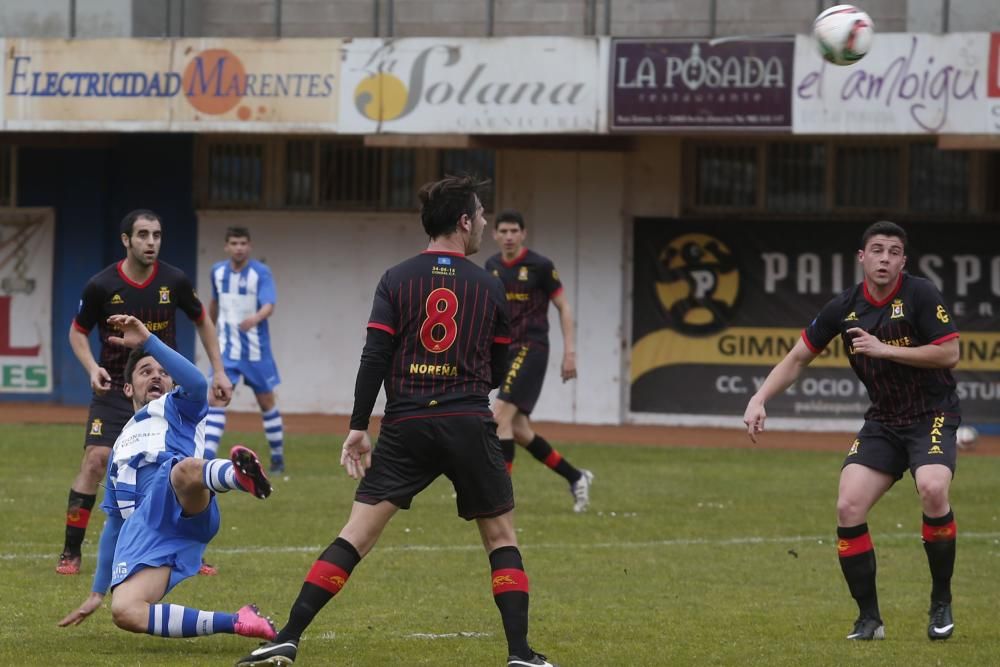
(526, 365)
(893, 449)
(412, 453)
(108, 415)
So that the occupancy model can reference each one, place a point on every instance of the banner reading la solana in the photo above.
(717, 304)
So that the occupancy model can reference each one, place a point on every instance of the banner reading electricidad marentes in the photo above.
(717, 304)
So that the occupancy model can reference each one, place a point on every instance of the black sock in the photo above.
(507, 445)
(510, 592)
(325, 579)
(77, 517)
(939, 543)
(542, 450)
(857, 561)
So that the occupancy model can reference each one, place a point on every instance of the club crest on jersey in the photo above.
(851, 317)
(522, 273)
(897, 309)
(117, 299)
(97, 427)
(164, 294)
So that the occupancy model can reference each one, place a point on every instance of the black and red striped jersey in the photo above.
(155, 302)
(912, 315)
(445, 314)
(530, 281)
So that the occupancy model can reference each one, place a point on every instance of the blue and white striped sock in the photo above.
(173, 620)
(274, 431)
(220, 476)
(215, 426)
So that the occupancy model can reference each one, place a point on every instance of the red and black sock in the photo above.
(507, 445)
(77, 517)
(542, 450)
(939, 543)
(510, 592)
(325, 579)
(857, 561)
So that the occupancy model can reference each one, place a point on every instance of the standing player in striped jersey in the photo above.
(153, 291)
(160, 498)
(901, 343)
(243, 297)
(437, 339)
(531, 282)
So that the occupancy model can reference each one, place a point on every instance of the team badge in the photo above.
(897, 309)
(854, 447)
(851, 317)
(522, 273)
(97, 427)
(164, 295)
(117, 299)
(942, 315)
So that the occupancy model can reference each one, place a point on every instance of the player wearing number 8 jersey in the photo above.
(437, 338)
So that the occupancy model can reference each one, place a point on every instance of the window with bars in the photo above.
(868, 177)
(796, 176)
(726, 175)
(236, 174)
(332, 174)
(939, 180)
(820, 177)
(6, 175)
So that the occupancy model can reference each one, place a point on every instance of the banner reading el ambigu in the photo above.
(717, 304)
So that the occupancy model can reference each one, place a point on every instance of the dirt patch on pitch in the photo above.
(630, 434)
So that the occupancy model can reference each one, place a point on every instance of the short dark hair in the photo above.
(443, 202)
(128, 222)
(883, 228)
(509, 215)
(237, 232)
(134, 358)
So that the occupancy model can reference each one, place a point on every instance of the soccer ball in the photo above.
(844, 34)
(966, 437)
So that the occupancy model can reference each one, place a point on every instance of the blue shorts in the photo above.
(261, 376)
(156, 534)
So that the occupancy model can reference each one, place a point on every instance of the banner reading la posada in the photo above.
(667, 84)
(717, 304)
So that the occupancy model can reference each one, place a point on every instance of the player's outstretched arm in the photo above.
(184, 373)
(778, 380)
(102, 574)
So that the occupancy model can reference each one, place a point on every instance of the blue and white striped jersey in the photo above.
(240, 294)
(172, 425)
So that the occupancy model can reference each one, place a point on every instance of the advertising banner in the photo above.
(907, 84)
(196, 85)
(26, 269)
(665, 84)
(717, 304)
(527, 85)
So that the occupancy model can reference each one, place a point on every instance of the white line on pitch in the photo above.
(683, 542)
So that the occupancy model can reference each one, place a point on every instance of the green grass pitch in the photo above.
(687, 557)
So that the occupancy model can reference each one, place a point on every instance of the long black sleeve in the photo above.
(375, 360)
(498, 363)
